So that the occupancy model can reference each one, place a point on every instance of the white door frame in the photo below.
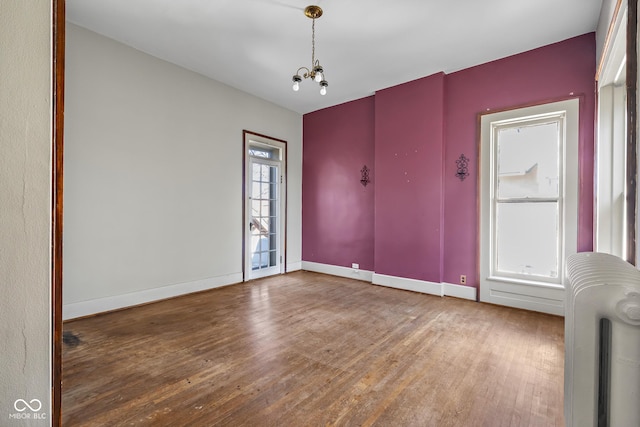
(258, 140)
(528, 294)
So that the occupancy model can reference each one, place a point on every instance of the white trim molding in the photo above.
(100, 305)
(294, 266)
(421, 286)
(335, 270)
(440, 289)
(458, 291)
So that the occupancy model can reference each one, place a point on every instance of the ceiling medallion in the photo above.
(316, 72)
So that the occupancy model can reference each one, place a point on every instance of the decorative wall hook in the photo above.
(463, 167)
(364, 180)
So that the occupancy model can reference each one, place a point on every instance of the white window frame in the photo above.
(611, 223)
(528, 292)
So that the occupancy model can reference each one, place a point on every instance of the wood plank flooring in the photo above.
(306, 349)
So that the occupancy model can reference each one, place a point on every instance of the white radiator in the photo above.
(602, 342)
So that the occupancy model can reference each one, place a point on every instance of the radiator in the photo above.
(602, 342)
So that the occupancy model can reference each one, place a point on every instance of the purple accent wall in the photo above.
(417, 219)
(337, 210)
(408, 204)
(554, 72)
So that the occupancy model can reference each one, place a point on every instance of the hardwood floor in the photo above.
(306, 349)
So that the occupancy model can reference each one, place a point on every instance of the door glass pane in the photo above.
(263, 216)
(528, 161)
(527, 238)
(272, 191)
(264, 152)
(264, 225)
(265, 172)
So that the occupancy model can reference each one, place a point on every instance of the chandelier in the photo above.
(316, 72)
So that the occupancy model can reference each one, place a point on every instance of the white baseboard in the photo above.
(99, 305)
(335, 270)
(458, 291)
(294, 266)
(423, 286)
(408, 284)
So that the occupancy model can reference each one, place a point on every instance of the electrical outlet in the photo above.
(463, 279)
(355, 266)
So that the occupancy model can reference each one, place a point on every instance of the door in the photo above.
(529, 192)
(264, 207)
(264, 248)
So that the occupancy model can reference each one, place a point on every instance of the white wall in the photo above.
(153, 176)
(25, 208)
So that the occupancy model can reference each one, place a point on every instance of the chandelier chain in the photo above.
(313, 42)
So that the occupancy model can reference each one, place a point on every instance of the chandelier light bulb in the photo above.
(296, 82)
(323, 87)
(318, 72)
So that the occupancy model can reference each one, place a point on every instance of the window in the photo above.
(528, 204)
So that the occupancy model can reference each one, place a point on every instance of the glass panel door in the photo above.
(263, 242)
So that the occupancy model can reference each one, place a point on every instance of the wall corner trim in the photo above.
(294, 266)
(100, 305)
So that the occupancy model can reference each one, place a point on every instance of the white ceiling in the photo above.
(363, 45)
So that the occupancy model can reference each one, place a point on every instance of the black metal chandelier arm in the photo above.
(306, 74)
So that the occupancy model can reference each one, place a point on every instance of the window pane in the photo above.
(258, 152)
(256, 172)
(264, 152)
(526, 238)
(264, 190)
(264, 224)
(266, 208)
(265, 173)
(255, 208)
(255, 190)
(528, 158)
(272, 191)
(272, 240)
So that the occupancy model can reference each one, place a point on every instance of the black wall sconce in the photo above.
(364, 172)
(463, 167)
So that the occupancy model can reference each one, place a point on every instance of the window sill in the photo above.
(526, 282)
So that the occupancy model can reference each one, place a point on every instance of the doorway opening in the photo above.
(264, 210)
